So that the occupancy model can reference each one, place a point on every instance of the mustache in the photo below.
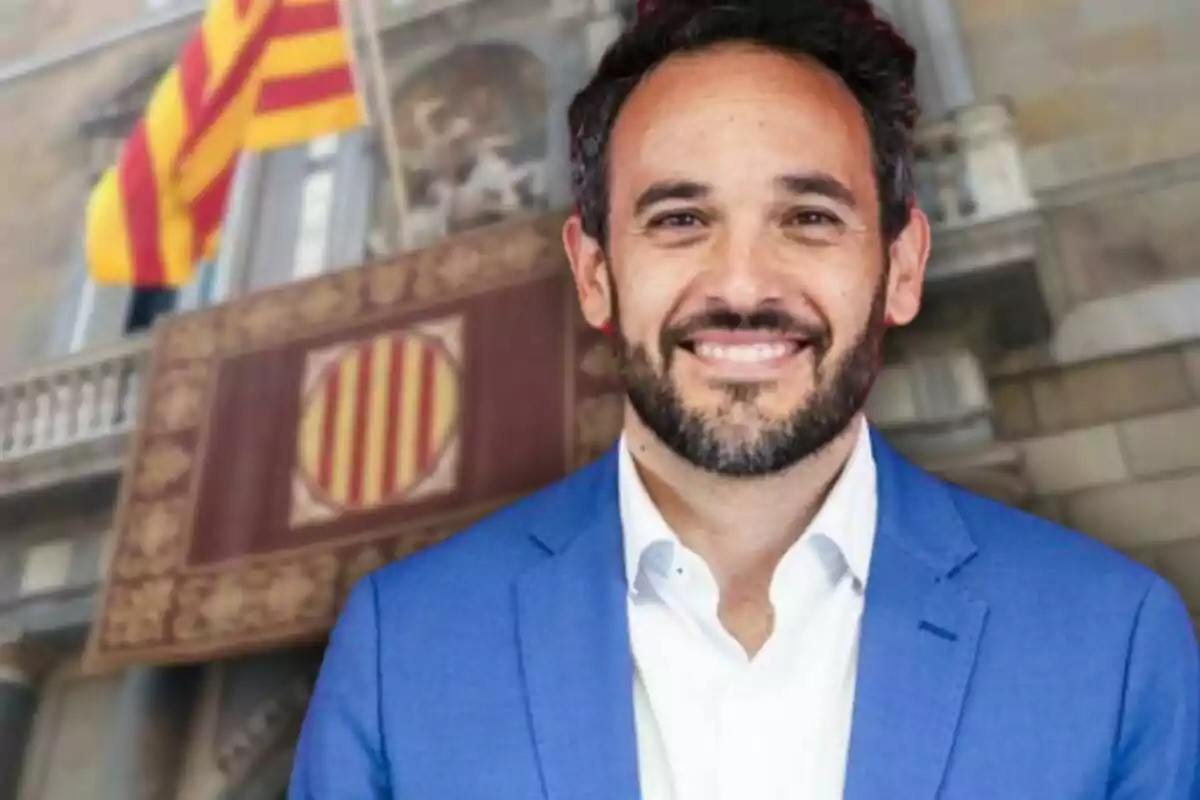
(768, 319)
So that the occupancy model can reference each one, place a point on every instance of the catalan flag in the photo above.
(258, 74)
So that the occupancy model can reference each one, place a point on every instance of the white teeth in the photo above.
(742, 353)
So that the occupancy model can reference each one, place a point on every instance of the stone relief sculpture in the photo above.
(471, 128)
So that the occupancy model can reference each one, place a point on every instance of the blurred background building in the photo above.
(1056, 366)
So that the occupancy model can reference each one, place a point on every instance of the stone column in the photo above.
(944, 47)
(936, 408)
(601, 30)
(148, 736)
(21, 665)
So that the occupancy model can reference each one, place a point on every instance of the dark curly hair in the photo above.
(846, 36)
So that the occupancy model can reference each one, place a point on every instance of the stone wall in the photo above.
(1126, 232)
(32, 28)
(1105, 415)
(1098, 86)
(1112, 448)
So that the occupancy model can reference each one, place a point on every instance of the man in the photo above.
(753, 596)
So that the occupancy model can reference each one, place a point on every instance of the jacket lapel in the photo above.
(919, 639)
(574, 641)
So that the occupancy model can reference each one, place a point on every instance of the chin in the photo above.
(737, 425)
(737, 438)
(745, 402)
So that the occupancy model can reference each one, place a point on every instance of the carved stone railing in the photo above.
(987, 227)
(969, 168)
(71, 414)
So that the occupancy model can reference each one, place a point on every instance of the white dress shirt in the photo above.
(713, 724)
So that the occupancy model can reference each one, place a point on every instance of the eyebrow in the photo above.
(818, 183)
(670, 190)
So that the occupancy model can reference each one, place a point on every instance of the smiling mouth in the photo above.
(745, 351)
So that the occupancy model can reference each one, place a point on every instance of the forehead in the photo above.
(740, 113)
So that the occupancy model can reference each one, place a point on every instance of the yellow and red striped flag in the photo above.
(259, 74)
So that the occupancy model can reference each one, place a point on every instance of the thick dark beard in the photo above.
(841, 391)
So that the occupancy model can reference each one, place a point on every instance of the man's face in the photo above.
(745, 267)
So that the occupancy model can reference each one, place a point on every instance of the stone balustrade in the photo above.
(969, 168)
(78, 405)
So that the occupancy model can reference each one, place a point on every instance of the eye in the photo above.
(676, 219)
(811, 217)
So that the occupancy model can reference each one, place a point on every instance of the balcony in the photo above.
(971, 182)
(70, 419)
(987, 229)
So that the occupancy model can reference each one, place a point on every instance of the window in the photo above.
(46, 568)
(316, 204)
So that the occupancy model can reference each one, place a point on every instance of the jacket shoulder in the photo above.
(1054, 559)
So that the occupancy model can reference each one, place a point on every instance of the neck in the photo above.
(741, 527)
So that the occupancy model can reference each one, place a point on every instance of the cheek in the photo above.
(846, 297)
(646, 301)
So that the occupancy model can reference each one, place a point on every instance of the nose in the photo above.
(743, 273)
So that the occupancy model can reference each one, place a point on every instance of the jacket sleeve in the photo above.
(340, 753)
(1158, 750)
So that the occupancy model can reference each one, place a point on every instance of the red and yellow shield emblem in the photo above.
(377, 419)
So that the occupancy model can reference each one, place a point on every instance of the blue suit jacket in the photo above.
(1002, 657)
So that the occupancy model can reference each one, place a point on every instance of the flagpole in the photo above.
(384, 121)
(356, 73)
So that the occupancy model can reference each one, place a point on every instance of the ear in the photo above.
(906, 280)
(590, 267)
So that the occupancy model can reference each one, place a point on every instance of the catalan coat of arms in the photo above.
(379, 421)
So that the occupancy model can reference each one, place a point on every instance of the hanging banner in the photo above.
(293, 440)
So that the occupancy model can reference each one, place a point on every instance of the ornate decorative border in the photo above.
(153, 608)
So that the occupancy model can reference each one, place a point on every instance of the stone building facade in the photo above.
(1056, 365)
